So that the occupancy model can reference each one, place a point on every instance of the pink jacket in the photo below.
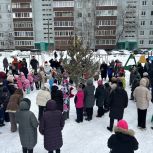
(19, 82)
(80, 99)
(30, 77)
(23, 78)
(26, 84)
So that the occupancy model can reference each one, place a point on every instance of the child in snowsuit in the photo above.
(79, 104)
(30, 78)
(36, 79)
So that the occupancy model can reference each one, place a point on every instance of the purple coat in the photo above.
(51, 126)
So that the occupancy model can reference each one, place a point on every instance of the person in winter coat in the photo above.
(43, 76)
(57, 95)
(5, 64)
(30, 78)
(103, 69)
(47, 70)
(34, 63)
(27, 126)
(140, 69)
(42, 97)
(113, 84)
(151, 78)
(107, 94)
(4, 99)
(118, 102)
(13, 106)
(146, 76)
(135, 84)
(26, 85)
(24, 62)
(18, 81)
(51, 126)
(142, 96)
(24, 69)
(89, 98)
(37, 80)
(123, 141)
(79, 104)
(110, 73)
(100, 98)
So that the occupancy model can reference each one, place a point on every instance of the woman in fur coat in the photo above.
(123, 141)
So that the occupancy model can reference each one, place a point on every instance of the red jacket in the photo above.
(79, 103)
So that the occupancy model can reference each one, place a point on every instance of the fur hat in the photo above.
(145, 74)
(122, 124)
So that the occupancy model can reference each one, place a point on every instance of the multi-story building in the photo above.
(43, 20)
(63, 23)
(106, 22)
(23, 24)
(6, 26)
(145, 31)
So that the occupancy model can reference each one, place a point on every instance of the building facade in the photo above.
(145, 31)
(63, 23)
(23, 24)
(43, 20)
(6, 25)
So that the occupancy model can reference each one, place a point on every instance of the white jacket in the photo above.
(142, 95)
(42, 97)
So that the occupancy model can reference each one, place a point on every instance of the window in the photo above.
(150, 41)
(63, 4)
(144, 2)
(142, 22)
(141, 32)
(105, 41)
(143, 13)
(141, 42)
(1, 34)
(151, 32)
(151, 12)
(151, 22)
(63, 23)
(79, 15)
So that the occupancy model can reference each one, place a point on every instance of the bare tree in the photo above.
(127, 20)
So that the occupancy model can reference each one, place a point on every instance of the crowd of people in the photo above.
(53, 100)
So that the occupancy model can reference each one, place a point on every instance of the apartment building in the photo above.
(43, 20)
(6, 26)
(106, 23)
(63, 23)
(23, 24)
(145, 31)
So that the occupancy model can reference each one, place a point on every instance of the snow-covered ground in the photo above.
(86, 137)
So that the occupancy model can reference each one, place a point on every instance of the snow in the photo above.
(86, 137)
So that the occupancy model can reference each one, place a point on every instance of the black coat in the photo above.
(24, 70)
(57, 95)
(51, 126)
(117, 102)
(103, 69)
(34, 63)
(100, 95)
(122, 142)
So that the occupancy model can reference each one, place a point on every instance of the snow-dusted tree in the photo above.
(80, 62)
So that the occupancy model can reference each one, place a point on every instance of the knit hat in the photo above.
(145, 74)
(122, 124)
(100, 82)
(27, 101)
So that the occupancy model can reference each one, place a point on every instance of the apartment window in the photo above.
(63, 23)
(141, 42)
(24, 43)
(151, 22)
(142, 22)
(63, 33)
(106, 23)
(143, 13)
(150, 41)
(144, 2)
(23, 34)
(1, 34)
(79, 4)
(63, 4)
(105, 41)
(79, 15)
(141, 32)
(151, 12)
(2, 43)
(64, 14)
(22, 15)
(151, 32)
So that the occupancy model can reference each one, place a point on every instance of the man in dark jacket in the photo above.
(103, 69)
(117, 103)
(34, 63)
(123, 141)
